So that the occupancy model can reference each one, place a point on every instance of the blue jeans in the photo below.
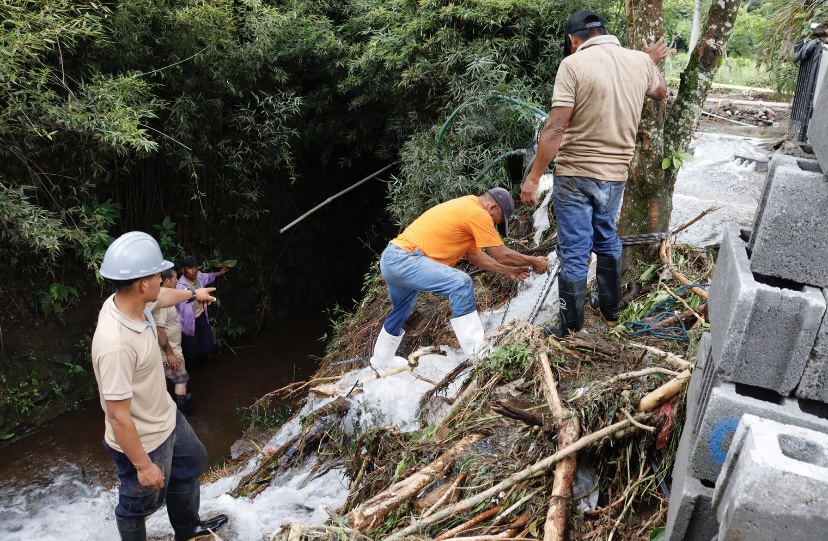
(182, 459)
(585, 210)
(408, 273)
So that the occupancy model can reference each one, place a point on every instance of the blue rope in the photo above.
(658, 313)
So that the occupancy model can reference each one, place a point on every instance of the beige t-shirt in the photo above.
(605, 84)
(198, 309)
(127, 364)
(167, 319)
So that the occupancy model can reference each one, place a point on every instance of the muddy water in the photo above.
(65, 459)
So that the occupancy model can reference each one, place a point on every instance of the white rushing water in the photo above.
(69, 509)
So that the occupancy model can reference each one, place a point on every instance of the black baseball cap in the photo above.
(507, 206)
(189, 261)
(580, 20)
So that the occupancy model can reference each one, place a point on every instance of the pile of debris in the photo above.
(748, 110)
(580, 431)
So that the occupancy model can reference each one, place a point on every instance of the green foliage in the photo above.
(20, 398)
(57, 299)
(166, 239)
(676, 159)
(265, 414)
(509, 361)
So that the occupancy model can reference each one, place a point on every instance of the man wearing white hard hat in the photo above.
(157, 454)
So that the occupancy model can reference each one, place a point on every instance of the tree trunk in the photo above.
(649, 193)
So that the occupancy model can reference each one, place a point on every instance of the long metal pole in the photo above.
(331, 198)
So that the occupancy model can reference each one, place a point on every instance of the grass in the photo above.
(744, 72)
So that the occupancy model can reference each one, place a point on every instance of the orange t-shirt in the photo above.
(450, 230)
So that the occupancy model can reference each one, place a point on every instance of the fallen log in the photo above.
(371, 513)
(569, 430)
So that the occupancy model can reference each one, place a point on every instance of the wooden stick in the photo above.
(485, 515)
(371, 512)
(663, 250)
(641, 373)
(694, 220)
(464, 398)
(491, 538)
(447, 495)
(569, 431)
(682, 301)
(526, 473)
(677, 362)
(636, 423)
(664, 393)
(673, 319)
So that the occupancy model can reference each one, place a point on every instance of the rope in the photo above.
(660, 312)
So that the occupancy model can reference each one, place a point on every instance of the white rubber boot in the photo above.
(386, 348)
(469, 331)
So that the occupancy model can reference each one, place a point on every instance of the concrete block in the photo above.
(818, 126)
(761, 334)
(690, 516)
(719, 414)
(774, 484)
(814, 383)
(790, 234)
(694, 388)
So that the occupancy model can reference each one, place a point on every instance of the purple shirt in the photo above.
(185, 310)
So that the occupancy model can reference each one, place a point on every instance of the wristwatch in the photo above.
(193, 297)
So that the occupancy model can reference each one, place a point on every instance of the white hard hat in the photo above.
(133, 255)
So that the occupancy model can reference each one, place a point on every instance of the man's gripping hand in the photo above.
(518, 274)
(540, 265)
(151, 476)
(529, 191)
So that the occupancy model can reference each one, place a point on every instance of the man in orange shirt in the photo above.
(422, 258)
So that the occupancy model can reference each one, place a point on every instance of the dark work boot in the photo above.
(608, 276)
(572, 297)
(132, 529)
(183, 403)
(183, 501)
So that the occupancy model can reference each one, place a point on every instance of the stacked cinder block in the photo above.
(767, 351)
(774, 484)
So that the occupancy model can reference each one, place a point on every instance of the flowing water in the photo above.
(57, 484)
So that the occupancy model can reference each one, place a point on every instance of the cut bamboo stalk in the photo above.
(371, 513)
(448, 494)
(471, 523)
(664, 393)
(569, 431)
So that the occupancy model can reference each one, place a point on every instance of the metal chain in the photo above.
(547, 287)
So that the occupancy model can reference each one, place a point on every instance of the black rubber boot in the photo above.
(183, 501)
(608, 276)
(572, 298)
(184, 405)
(132, 529)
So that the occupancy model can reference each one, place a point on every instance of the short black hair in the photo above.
(587, 33)
(167, 274)
(121, 284)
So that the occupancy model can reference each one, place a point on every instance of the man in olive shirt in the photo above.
(596, 107)
(157, 454)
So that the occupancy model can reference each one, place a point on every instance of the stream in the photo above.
(57, 483)
(64, 461)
